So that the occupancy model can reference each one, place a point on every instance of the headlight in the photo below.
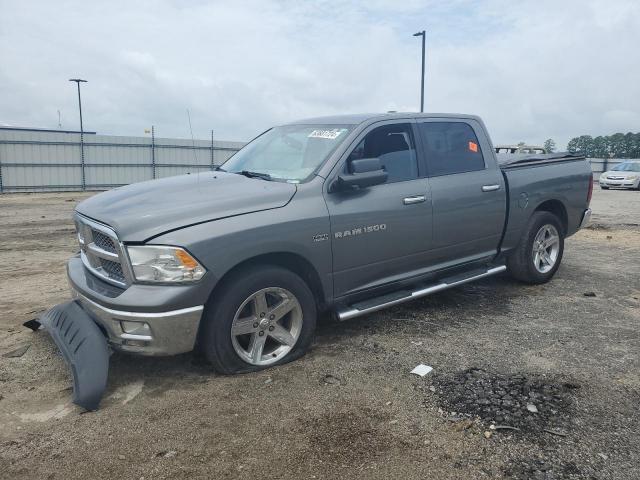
(151, 263)
(632, 177)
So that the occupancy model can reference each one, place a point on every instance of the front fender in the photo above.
(298, 228)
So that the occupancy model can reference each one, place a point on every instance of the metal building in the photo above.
(34, 160)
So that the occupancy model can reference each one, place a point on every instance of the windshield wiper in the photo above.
(250, 174)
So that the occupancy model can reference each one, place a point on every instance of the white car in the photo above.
(624, 175)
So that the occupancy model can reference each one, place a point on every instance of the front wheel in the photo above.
(604, 188)
(262, 316)
(539, 253)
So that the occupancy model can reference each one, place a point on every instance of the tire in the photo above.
(604, 188)
(237, 307)
(522, 262)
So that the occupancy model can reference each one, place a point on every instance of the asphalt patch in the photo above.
(528, 404)
(540, 469)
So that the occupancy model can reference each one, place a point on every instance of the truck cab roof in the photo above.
(358, 118)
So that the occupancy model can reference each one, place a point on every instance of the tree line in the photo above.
(618, 145)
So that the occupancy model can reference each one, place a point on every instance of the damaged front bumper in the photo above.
(84, 348)
(142, 319)
(144, 333)
(155, 320)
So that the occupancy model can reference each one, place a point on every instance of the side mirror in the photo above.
(364, 172)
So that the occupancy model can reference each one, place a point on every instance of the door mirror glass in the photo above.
(363, 173)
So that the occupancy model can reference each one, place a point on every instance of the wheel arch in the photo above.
(557, 208)
(288, 260)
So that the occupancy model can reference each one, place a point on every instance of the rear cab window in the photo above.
(450, 147)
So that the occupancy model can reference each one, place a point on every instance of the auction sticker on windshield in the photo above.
(328, 134)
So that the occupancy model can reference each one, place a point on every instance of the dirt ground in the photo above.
(560, 366)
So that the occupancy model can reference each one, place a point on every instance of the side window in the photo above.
(394, 146)
(450, 147)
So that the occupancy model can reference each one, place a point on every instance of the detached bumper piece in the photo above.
(84, 348)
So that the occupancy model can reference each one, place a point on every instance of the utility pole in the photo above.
(153, 151)
(422, 34)
(78, 81)
(212, 150)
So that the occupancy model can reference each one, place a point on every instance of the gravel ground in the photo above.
(528, 381)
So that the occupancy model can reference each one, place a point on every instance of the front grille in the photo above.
(113, 270)
(100, 251)
(103, 242)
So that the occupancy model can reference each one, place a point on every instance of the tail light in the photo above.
(590, 192)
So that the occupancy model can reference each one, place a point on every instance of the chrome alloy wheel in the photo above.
(546, 247)
(266, 326)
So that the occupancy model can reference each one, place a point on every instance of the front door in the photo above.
(380, 233)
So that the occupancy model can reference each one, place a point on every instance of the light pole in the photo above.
(422, 34)
(78, 81)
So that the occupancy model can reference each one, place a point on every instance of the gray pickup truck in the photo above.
(343, 215)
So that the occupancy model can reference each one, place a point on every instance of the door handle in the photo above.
(414, 199)
(490, 188)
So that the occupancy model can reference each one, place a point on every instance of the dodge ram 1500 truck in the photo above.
(346, 214)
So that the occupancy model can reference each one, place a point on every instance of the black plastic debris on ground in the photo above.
(528, 404)
(34, 324)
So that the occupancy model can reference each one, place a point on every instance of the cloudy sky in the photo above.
(532, 70)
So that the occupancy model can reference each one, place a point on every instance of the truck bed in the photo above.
(560, 178)
(516, 160)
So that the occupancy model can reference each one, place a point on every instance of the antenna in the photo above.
(193, 142)
(59, 121)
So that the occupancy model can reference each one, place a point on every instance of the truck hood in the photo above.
(143, 210)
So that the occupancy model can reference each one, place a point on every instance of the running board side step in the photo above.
(379, 303)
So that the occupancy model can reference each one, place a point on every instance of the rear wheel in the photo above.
(262, 316)
(539, 253)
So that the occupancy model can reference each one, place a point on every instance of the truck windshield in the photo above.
(290, 153)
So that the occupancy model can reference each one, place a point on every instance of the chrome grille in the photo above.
(113, 270)
(103, 242)
(100, 251)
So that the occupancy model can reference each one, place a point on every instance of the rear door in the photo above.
(380, 233)
(467, 188)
